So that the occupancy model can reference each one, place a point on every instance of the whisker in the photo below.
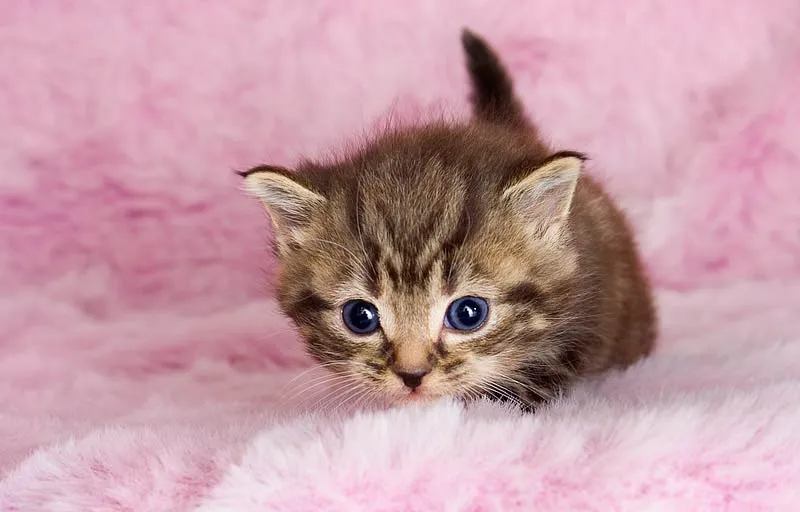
(316, 367)
(371, 400)
(360, 391)
(347, 396)
(507, 394)
(321, 385)
(314, 384)
(326, 396)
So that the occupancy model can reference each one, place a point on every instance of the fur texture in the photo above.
(143, 366)
(428, 215)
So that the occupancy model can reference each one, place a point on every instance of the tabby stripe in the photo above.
(308, 306)
(525, 294)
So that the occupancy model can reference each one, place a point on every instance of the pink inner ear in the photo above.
(289, 203)
(547, 200)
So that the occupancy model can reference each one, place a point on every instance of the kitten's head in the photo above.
(427, 264)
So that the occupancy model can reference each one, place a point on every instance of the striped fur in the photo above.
(421, 216)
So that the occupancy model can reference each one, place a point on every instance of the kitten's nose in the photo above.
(412, 378)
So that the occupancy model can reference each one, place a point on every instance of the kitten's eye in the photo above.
(466, 314)
(360, 316)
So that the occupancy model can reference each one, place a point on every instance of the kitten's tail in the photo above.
(493, 99)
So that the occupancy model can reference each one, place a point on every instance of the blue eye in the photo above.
(360, 316)
(466, 314)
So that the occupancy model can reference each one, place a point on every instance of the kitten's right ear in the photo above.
(290, 202)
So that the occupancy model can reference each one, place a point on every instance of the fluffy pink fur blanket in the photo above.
(143, 365)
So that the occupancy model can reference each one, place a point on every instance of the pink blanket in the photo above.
(143, 365)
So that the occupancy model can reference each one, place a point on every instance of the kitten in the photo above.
(463, 260)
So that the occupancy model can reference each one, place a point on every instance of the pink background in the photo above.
(142, 361)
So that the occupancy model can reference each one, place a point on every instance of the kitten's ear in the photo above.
(492, 95)
(543, 198)
(290, 202)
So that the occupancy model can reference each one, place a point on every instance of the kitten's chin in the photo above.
(414, 397)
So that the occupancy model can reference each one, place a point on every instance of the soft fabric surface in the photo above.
(144, 367)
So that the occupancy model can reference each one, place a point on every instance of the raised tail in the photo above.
(493, 99)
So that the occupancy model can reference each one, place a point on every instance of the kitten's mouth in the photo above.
(415, 396)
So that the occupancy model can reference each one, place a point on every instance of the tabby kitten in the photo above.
(459, 260)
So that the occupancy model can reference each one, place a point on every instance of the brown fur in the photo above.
(425, 215)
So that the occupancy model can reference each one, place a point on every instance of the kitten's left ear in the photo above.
(544, 197)
(290, 202)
